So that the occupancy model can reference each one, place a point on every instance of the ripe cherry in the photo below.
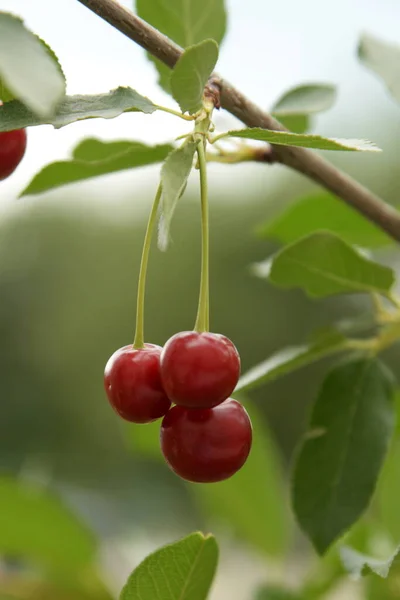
(199, 370)
(12, 150)
(133, 384)
(206, 445)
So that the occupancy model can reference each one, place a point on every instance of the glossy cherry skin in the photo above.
(12, 150)
(199, 370)
(133, 384)
(206, 445)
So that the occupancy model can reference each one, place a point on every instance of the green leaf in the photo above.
(322, 264)
(35, 525)
(294, 123)
(358, 565)
(343, 451)
(181, 571)
(324, 211)
(286, 138)
(305, 100)
(186, 22)
(383, 59)
(290, 359)
(28, 68)
(174, 175)
(100, 158)
(191, 74)
(14, 115)
(275, 593)
(253, 501)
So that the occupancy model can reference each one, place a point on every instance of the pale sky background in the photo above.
(270, 46)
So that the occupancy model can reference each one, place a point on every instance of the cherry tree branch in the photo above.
(300, 159)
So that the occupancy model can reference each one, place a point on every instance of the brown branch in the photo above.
(304, 161)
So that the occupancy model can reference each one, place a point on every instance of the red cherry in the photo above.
(12, 149)
(206, 445)
(199, 370)
(133, 384)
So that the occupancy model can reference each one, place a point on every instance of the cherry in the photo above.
(133, 384)
(12, 149)
(206, 445)
(199, 370)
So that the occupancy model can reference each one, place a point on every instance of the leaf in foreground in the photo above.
(290, 359)
(343, 451)
(191, 74)
(322, 264)
(358, 565)
(174, 175)
(286, 138)
(181, 571)
(14, 115)
(116, 156)
(28, 68)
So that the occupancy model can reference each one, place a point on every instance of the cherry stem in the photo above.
(202, 320)
(139, 333)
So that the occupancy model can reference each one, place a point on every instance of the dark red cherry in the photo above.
(199, 370)
(205, 445)
(133, 384)
(12, 150)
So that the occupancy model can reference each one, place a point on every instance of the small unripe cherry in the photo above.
(206, 445)
(12, 150)
(199, 370)
(133, 384)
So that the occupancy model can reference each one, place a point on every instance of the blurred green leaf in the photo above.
(322, 264)
(191, 74)
(382, 58)
(377, 588)
(290, 359)
(14, 115)
(186, 22)
(29, 68)
(286, 138)
(252, 502)
(275, 593)
(115, 156)
(306, 99)
(174, 175)
(343, 451)
(145, 440)
(388, 492)
(181, 571)
(359, 565)
(324, 211)
(35, 525)
(294, 123)
(5, 94)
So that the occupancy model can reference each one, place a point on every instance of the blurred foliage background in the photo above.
(68, 268)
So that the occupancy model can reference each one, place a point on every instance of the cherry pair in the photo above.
(207, 436)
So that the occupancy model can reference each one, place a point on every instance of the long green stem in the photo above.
(139, 333)
(203, 318)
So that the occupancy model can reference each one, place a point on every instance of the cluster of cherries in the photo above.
(12, 150)
(206, 436)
